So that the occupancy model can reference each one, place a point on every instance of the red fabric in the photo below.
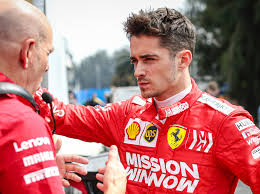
(27, 151)
(80, 186)
(201, 144)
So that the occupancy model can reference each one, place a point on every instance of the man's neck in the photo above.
(173, 99)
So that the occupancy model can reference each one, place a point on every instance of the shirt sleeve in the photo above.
(27, 152)
(87, 123)
(238, 148)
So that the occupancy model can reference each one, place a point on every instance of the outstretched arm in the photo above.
(87, 123)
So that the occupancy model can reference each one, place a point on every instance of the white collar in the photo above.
(173, 99)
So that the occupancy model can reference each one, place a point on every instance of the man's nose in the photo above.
(139, 70)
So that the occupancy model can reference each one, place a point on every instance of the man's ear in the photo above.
(184, 59)
(26, 52)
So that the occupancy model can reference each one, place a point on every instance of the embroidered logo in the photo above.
(256, 153)
(176, 135)
(150, 133)
(202, 141)
(216, 104)
(141, 133)
(242, 124)
(176, 109)
(133, 130)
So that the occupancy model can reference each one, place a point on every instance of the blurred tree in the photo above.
(96, 71)
(124, 70)
(228, 45)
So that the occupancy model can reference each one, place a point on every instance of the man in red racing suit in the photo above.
(200, 144)
(175, 138)
(27, 154)
(28, 163)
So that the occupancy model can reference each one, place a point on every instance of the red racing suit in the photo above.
(198, 145)
(27, 164)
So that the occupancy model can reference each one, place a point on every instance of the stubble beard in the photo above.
(146, 93)
(153, 93)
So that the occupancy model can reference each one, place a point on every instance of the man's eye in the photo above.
(133, 61)
(149, 59)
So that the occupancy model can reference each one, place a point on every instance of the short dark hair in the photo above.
(174, 29)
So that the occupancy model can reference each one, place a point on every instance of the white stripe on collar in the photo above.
(173, 99)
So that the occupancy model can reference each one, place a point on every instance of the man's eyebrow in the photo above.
(148, 55)
(144, 56)
(132, 58)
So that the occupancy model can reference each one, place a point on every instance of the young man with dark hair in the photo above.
(174, 138)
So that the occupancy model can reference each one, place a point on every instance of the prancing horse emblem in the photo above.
(176, 135)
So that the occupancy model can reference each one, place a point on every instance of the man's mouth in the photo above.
(143, 83)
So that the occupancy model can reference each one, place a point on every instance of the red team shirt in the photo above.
(27, 153)
(199, 145)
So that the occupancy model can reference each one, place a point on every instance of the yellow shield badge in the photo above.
(133, 130)
(176, 135)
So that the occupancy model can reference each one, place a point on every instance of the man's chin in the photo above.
(146, 94)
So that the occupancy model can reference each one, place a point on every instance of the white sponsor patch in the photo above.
(202, 141)
(169, 174)
(256, 153)
(254, 140)
(135, 133)
(216, 104)
(252, 131)
(244, 124)
(41, 174)
(37, 158)
(177, 109)
(39, 141)
(139, 101)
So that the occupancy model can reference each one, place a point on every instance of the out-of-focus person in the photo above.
(108, 97)
(94, 101)
(213, 88)
(72, 98)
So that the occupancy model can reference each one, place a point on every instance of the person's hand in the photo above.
(65, 165)
(113, 175)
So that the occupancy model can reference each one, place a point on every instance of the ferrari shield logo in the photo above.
(176, 135)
